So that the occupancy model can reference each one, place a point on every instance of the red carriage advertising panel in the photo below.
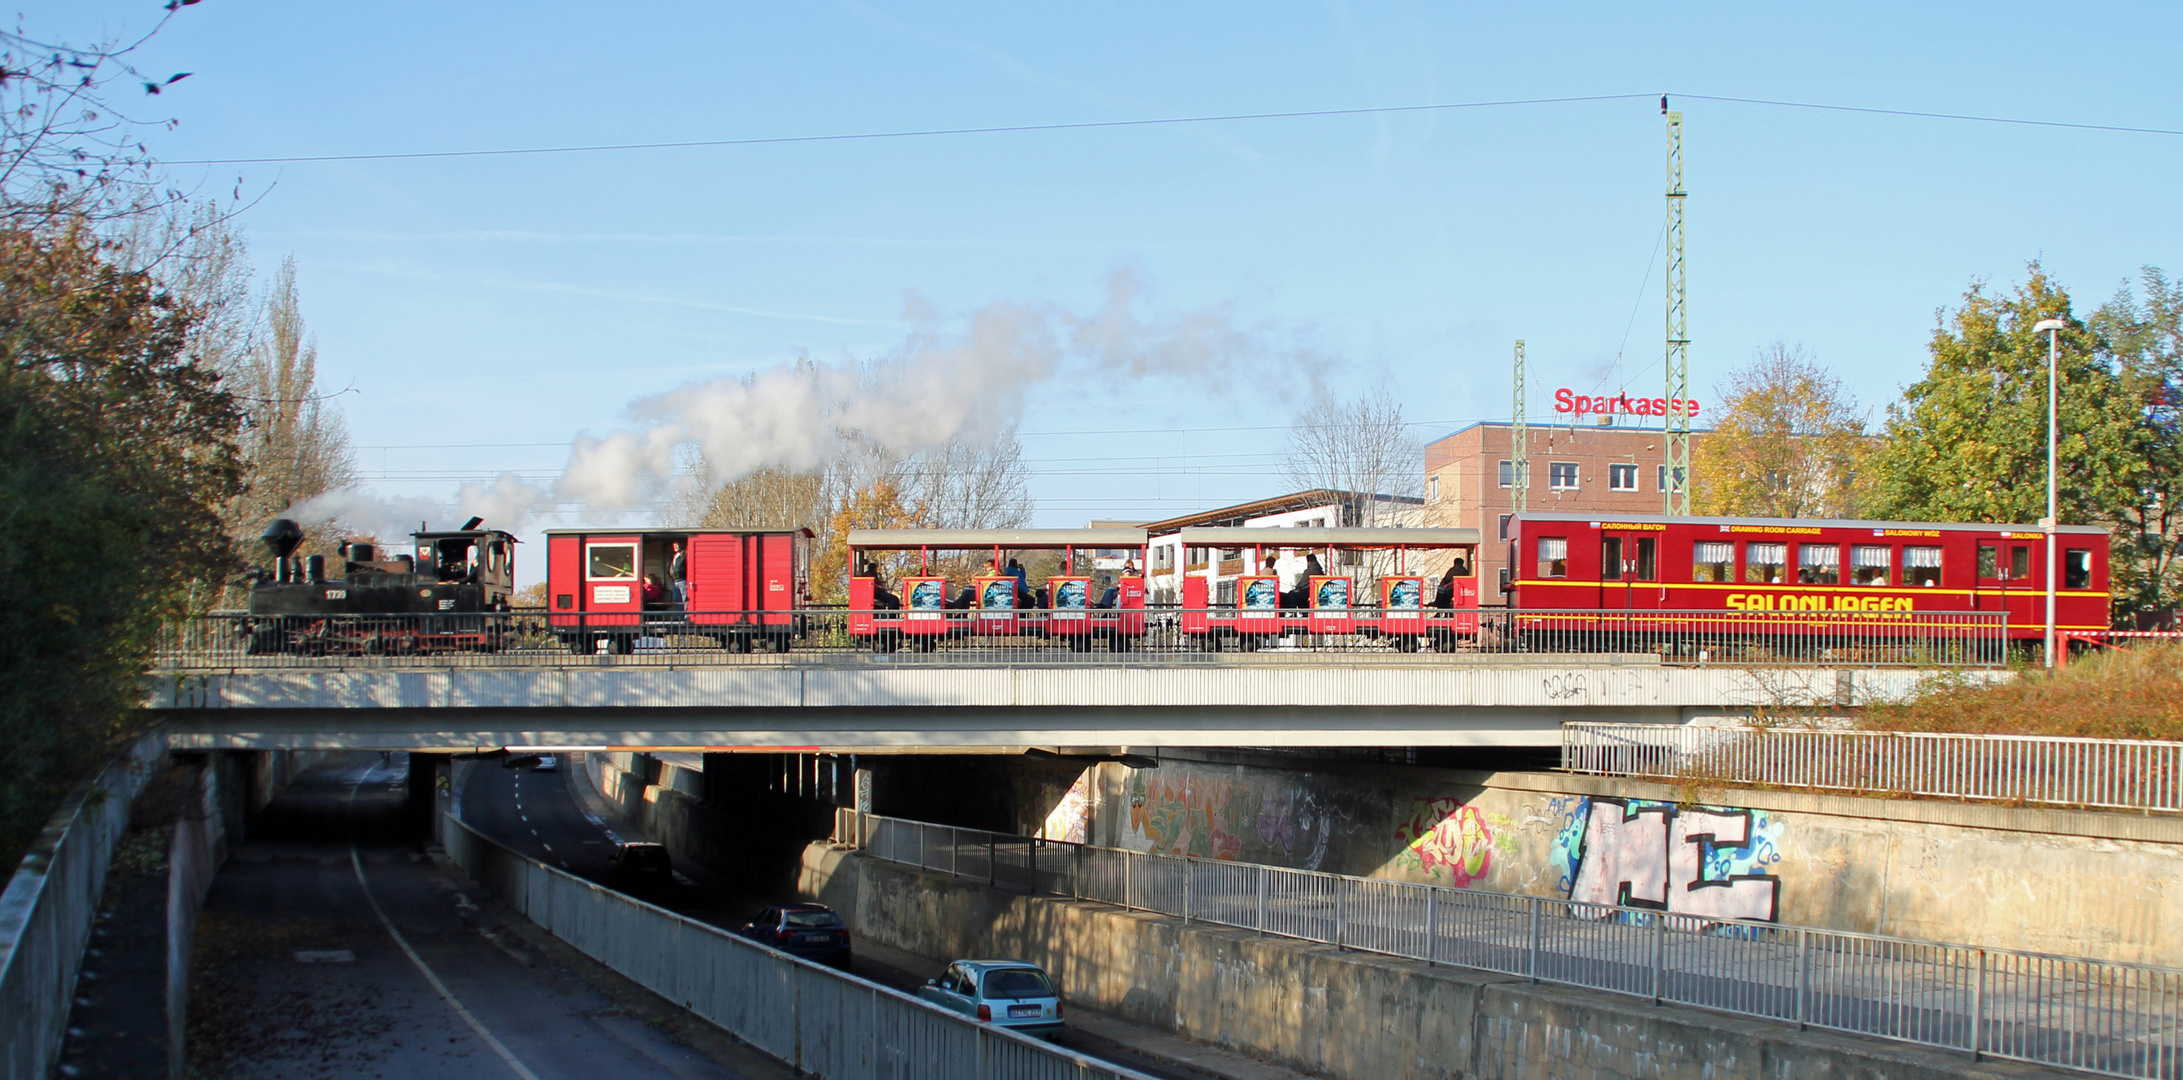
(1330, 605)
(1080, 599)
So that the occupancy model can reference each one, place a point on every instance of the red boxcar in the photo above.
(1876, 573)
(1231, 592)
(740, 586)
(1079, 604)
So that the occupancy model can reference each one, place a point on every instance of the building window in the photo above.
(1562, 476)
(1921, 567)
(1508, 474)
(1763, 563)
(1660, 483)
(1622, 478)
(1713, 560)
(1818, 564)
(1504, 525)
(1432, 489)
(1868, 564)
(1163, 557)
(1553, 557)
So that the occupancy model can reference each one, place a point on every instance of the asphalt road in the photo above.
(329, 948)
(545, 816)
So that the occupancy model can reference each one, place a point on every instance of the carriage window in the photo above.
(1818, 564)
(612, 562)
(1989, 562)
(1868, 564)
(1712, 560)
(1921, 567)
(1647, 559)
(1765, 563)
(1610, 558)
(1163, 558)
(1553, 557)
(2077, 568)
(2019, 562)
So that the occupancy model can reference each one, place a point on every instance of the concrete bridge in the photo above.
(781, 703)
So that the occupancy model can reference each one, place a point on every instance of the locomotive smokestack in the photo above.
(282, 538)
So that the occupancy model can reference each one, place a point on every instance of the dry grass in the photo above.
(2131, 693)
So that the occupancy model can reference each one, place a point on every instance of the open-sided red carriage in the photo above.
(1079, 604)
(1232, 578)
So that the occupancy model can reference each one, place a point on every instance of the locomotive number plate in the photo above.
(337, 594)
(447, 605)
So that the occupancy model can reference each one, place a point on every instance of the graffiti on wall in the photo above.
(1711, 862)
(1233, 814)
(1444, 837)
(1186, 815)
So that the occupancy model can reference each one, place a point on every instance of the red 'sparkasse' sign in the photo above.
(1569, 401)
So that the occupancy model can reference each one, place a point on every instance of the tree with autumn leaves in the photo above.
(1968, 441)
(1789, 443)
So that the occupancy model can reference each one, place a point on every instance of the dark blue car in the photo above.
(811, 931)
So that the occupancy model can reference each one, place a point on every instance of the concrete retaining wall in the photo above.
(2077, 883)
(1341, 1014)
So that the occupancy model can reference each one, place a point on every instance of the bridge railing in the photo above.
(822, 1022)
(2097, 1016)
(534, 639)
(2118, 774)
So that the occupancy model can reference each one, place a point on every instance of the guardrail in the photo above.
(537, 639)
(2116, 774)
(2111, 1018)
(821, 1022)
(47, 908)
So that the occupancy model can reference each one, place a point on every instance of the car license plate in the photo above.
(1015, 1011)
(820, 939)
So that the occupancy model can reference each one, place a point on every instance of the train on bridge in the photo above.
(1584, 582)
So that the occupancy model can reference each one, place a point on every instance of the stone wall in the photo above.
(1340, 1014)
(2078, 883)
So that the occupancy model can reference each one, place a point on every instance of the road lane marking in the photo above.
(423, 968)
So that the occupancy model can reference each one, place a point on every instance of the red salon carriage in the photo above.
(740, 587)
(1079, 604)
(1231, 585)
(1869, 576)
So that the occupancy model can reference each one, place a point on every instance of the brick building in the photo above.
(1469, 479)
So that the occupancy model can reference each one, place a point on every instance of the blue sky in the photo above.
(507, 304)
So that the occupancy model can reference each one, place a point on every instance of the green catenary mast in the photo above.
(1678, 343)
(1519, 443)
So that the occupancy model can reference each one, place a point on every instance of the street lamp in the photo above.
(2052, 328)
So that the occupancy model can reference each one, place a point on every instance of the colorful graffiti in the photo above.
(1707, 861)
(1296, 825)
(1443, 836)
(1186, 815)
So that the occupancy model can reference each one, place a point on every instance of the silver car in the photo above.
(1006, 993)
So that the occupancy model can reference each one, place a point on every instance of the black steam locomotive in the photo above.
(440, 598)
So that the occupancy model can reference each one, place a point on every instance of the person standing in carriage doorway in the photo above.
(678, 573)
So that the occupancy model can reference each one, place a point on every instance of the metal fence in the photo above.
(535, 639)
(821, 1022)
(2051, 771)
(2110, 1018)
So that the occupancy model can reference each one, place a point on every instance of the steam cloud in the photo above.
(935, 387)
